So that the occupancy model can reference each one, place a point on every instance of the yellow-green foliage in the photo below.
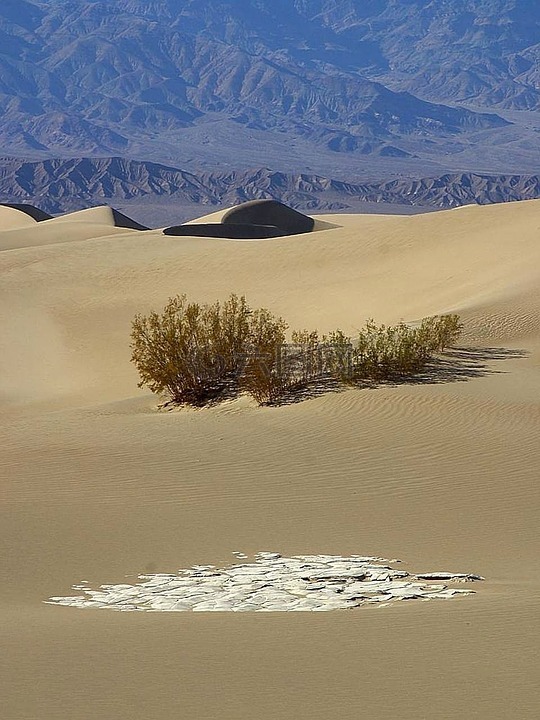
(304, 357)
(194, 353)
(382, 352)
(440, 331)
(191, 351)
(266, 376)
(338, 352)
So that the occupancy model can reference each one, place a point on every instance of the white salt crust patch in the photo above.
(272, 583)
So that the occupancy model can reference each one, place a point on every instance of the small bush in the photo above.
(440, 331)
(191, 351)
(339, 356)
(304, 357)
(266, 375)
(382, 352)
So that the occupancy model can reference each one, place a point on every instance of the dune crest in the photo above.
(11, 217)
(390, 268)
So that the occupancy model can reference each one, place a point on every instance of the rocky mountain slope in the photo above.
(483, 52)
(210, 83)
(64, 185)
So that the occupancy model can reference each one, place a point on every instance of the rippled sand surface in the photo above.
(98, 486)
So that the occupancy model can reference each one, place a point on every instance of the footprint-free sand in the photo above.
(97, 485)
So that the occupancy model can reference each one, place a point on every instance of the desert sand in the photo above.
(98, 485)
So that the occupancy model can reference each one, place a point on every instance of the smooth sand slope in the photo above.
(97, 485)
(13, 218)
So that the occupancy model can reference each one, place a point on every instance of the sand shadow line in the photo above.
(459, 364)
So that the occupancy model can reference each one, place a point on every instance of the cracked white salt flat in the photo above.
(272, 583)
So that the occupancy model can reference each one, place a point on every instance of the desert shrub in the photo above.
(304, 357)
(440, 331)
(338, 353)
(231, 332)
(191, 352)
(267, 374)
(194, 353)
(385, 351)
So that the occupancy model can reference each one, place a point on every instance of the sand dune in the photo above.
(12, 218)
(97, 485)
(388, 268)
(32, 211)
(101, 215)
(52, 234)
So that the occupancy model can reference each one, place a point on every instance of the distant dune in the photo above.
(97, 484)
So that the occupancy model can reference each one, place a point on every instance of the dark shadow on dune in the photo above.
(269, 212)
(226, 390)
(33, 212)
(459, 364)
(123, 221)
(315, 389)
(253, 220)
(230, 231)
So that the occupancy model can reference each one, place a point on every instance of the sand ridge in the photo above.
(13, 218)
(386, 268)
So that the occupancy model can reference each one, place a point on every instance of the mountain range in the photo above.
(371, 83)
(353, 90)
(160, 195)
